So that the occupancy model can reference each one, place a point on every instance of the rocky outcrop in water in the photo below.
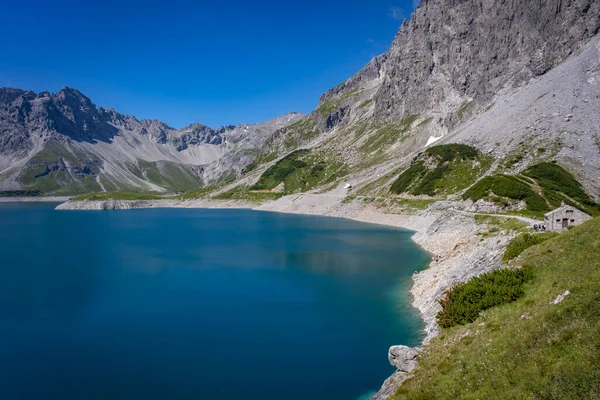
(403, 358)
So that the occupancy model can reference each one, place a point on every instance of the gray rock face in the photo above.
(73, 115)
(472, 49)
(454, 52)
(403, 358)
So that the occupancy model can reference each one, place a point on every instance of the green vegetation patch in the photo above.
(522, 242)
(20, 193)
(285, 140)
(301, 170)
(101, 196)
(169, 175)
(463, 303)
(406, 179)
(450, 152)
(366, 104)
(500, 225)
(465, 108)
(542, 187)
(57, 170)
(556, 180)
(244, 193)
(387, 134)
(329, 106)
(442, 169)
(200, 193)
(415, 204)
(530, 348)
(279, 171)
(509, 187)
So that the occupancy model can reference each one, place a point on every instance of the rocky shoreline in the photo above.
(99, 205)
(35, 199)
(451, 236)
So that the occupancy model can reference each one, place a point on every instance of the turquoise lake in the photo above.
(199, 304)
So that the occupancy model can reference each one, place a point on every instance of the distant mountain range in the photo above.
(62, 143)
(519, 81)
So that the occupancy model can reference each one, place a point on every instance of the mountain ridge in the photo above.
(69, 125)
(449, 66)
(448, 70)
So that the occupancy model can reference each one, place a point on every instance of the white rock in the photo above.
(560, 298)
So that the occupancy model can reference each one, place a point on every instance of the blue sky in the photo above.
(217, 63)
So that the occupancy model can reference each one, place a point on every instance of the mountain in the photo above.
(518, 81)
(63, 143)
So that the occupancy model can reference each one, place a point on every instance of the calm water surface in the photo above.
(199, 304)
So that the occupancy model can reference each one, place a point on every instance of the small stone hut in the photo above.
(564, 217)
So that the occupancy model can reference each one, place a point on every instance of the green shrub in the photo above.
(522, 242)
(242, 193)
(249, 168)
(463, 303)
(300, 171)
(507, 186)
(450, 152)
(553, 178)
(279, 171)
(422, 179)
(20, 193)
(408, 177)
(479, 190)
(427, 184)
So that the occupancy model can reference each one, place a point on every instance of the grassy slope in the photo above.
(552, 352)
(67, 181)
(542, 187)
(443, 169)
(300, 171)
(169, 175)
(100, 196)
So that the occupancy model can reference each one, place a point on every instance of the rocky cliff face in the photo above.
(456, 51)
(63, 143)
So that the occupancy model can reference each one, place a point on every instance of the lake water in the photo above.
(199, 304)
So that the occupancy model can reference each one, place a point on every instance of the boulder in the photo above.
(402, 357)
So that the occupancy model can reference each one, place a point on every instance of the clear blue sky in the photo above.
(213, 62)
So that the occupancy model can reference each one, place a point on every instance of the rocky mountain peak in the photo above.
(76, 107)
(457, 55)
(8, 95)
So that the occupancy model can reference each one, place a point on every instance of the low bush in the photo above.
(522, 242)
(507, 186)
(407, 178)
(427, 184)
(20, 193)
(425, 180)
(278, 172)
(463, 303)
(450, 152)
(555, 179)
